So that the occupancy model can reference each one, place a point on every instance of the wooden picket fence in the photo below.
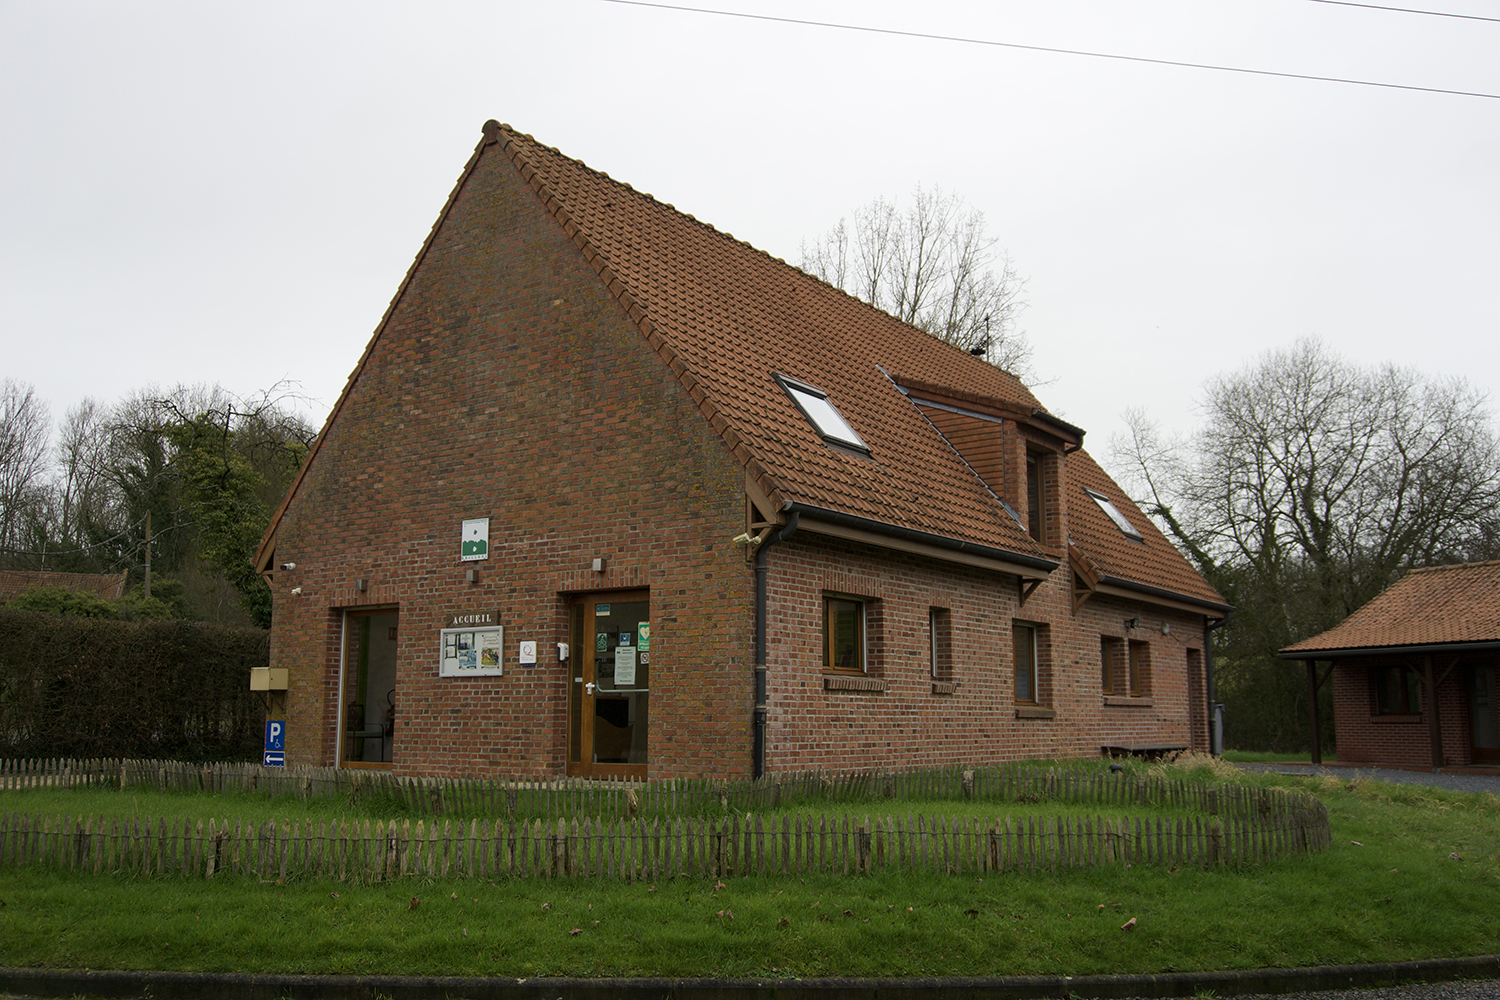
(659, 829)
(641, 849)
(662, 798)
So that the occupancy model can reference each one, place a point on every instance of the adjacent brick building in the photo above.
(1414, 671)
(611, 493)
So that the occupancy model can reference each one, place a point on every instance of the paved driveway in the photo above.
(1460, 781)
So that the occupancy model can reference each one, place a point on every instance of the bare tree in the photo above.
(24, 428)
(1312, 485)
(934, 266)
(81, 486)
(1310, 463)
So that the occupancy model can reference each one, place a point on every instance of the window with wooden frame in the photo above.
(1396, 690)
(1140, 668)
(1036, 497)
(940, 643)
(1113, 675)
(1023, 636)
(844, 647)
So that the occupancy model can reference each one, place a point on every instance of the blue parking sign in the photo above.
(275, 755)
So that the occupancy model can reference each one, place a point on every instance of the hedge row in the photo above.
(89, 687)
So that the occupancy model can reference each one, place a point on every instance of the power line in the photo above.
(1057, 51)
(1408, 10)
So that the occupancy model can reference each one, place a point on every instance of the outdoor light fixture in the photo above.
(471, 576)
(599, 565)
(361, 585)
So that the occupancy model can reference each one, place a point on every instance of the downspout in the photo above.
(780, 534)
(1215, 723)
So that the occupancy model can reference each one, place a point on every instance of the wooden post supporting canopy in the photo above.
(1312, 711)
(1430, 706)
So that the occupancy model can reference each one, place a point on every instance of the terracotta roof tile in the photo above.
(1153, 561)
(1430, 606)
(734, 316)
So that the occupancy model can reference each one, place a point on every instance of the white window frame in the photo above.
(821, 413)
(1121, 521)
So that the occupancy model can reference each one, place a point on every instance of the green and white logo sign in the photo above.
(475, 543)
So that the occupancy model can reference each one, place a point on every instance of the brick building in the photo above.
(1414, 671)
(611, 493)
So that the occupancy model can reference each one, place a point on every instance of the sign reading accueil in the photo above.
(475, 541)
(275, 755)
(470, 645)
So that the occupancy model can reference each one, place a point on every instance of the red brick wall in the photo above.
(1363, 737)
(508, 384)
(812, 727)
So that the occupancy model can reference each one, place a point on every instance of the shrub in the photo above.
(74, 686)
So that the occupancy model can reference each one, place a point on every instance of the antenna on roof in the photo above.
(982, 348)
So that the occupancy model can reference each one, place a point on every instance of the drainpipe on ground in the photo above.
(780, 534)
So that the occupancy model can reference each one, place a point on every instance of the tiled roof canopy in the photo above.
(1426, 607)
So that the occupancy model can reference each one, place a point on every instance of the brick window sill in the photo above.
(1404, 719)
(846, 682)
(1128, 701)
(1035, 712)
(944, 687)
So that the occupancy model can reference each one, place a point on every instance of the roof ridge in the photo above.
(696, 387)
(1451, 566)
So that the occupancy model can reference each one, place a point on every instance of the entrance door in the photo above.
(1484, 716)
(367, 689)
(609, 699)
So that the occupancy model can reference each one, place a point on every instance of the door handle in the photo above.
(588, 689)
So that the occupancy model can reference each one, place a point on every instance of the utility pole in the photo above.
(146, 591)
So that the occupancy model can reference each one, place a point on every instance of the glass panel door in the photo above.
(609, 700)
(367, 718)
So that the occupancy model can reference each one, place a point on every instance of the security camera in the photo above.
(1132, 623)
(296, 591)
(288, 566)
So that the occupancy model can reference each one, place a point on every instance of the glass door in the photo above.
(609, 699)
(367, 687)
(1484, 716)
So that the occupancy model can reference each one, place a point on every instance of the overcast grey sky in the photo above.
(196, 192)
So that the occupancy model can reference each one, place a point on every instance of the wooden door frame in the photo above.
(582, 646)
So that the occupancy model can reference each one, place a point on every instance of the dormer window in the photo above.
(821, 413)
(1114, 515)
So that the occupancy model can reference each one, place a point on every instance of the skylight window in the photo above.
(821, 413)
(1114, 514)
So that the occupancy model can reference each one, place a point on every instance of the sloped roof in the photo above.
(727, 319)
(1151, 562)
(1431, 606)
(106, 586)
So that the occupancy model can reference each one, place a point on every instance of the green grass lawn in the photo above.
(1266, 757)
(1388, 889)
